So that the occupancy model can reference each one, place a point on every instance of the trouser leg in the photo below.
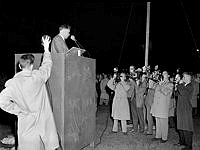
(149, 120)
(164, 128)
(145, 116)
(134, 115)
(171, 122)
(106, 101)
(198, 106)
(141, 118)
(188, 138)
(124, 125)
(101, 101)
(115, 125)
(158, 128)
(181, 137)
(110, 105)
(131, 118)
(194, 111)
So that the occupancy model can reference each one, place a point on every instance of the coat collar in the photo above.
(23, 73)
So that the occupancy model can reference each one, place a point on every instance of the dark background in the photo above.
(109, 31)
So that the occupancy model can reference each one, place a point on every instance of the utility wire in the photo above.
(186, 16)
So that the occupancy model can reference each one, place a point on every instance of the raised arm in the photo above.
(166, 90)
(111, 84)
(45, 68)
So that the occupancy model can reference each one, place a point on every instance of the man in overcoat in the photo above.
(25, 95)
(160, 107)
(131, 94)
(120, 106)
(148, 103)
(184, 112)
(141, 85)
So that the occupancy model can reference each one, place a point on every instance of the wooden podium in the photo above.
(71, 89)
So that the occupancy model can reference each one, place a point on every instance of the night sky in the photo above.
(112, 33)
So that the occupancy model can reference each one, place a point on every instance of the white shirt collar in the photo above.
(186, 84)
(62, 37)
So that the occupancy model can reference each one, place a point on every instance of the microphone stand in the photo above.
(79, 51)
(81, 47)
(77, 43)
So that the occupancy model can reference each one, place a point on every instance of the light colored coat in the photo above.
(162, 97)
(120, 106)
(26, 96)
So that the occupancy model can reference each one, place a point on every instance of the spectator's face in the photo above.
(115, 69)
(156, 67)
(186, 78)
(172, 79)
(132, 69)
(143, 77)
(165, 74)
(122, 76)
(177, 78)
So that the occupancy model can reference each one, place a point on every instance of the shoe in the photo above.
(133, 131)
(125, 133)
(179, 144)
(155, 139)
(147, 133)
(129, 125)
(163, 141)
(141, 131)
(186, 148)
(113, 132)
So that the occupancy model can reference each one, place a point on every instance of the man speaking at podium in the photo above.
(58, 44)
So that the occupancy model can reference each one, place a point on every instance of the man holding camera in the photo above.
(184, 112)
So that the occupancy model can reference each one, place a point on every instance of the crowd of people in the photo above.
(144, 99)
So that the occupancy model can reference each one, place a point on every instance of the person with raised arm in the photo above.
(25, 95)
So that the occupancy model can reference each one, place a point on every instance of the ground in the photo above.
(105, 140)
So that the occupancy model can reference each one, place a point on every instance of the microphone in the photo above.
(78, 44)
(73, 39)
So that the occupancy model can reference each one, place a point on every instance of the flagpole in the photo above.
(147, 34)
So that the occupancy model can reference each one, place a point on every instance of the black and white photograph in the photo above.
(94, 75)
